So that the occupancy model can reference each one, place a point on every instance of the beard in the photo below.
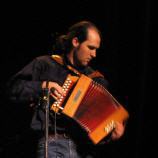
(76, 59)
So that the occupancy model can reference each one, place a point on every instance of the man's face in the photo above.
(84, 52)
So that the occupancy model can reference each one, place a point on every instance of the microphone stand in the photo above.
(46, 106)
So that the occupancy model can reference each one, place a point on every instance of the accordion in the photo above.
(91, 106)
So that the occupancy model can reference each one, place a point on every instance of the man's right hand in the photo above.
(55, 89)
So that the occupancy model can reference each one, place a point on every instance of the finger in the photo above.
(114, 135)
(60, 90)
(54, 93)
(57, 89)
(57, 94)
(118, 131)
(52, 90)
(55, 97)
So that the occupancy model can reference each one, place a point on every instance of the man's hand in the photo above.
(118, 131)
(55, 89)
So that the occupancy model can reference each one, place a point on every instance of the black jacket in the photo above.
(25, 88)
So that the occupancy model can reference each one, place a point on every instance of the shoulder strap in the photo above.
(96, 74)
(59, 59)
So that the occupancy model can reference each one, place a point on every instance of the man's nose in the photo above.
(93, 53)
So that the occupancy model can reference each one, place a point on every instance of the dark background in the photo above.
(126, 58)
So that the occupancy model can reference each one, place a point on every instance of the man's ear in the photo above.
(75, 42)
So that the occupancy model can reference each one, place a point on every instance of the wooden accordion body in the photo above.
(90, 105)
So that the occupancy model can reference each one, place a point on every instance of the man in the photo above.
(77, 48)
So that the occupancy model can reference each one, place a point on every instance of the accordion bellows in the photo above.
(90, 105)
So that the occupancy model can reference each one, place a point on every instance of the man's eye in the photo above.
(91, 47)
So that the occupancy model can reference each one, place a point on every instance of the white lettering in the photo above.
(110, 126)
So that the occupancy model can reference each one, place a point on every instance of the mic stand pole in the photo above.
(46, 106)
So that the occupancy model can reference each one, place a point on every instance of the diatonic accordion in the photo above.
(91, 106)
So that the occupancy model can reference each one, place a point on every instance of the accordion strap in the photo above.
(59, 59)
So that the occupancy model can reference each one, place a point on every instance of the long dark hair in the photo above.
(64, 42)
